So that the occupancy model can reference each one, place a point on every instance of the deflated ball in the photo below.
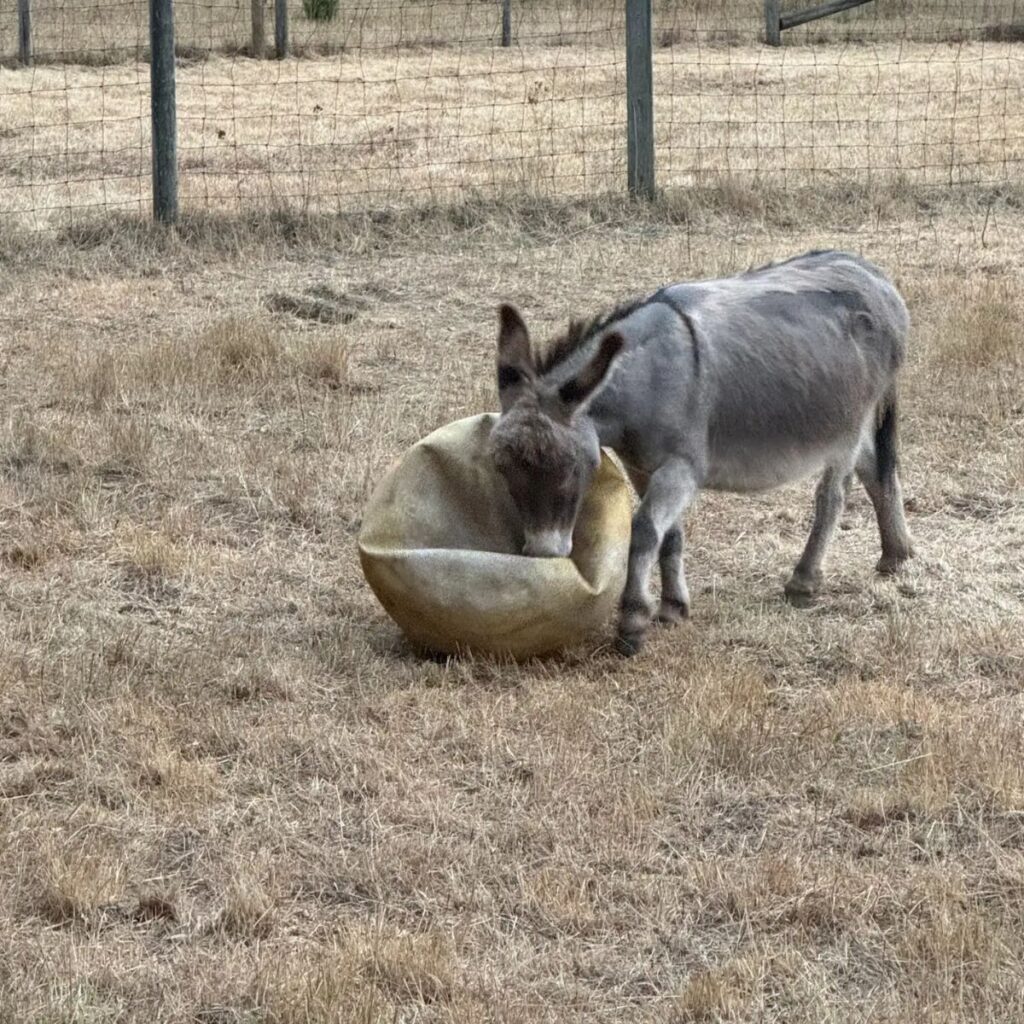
(440, 547)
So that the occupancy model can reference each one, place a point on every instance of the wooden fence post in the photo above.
(773, 22)
(281, 29)
(25, 33)
(639, 99)
(259, 40)
(162, 107)
(506, 22)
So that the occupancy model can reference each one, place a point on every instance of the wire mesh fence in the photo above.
(413, 102)
(908, 93)
(398, 102)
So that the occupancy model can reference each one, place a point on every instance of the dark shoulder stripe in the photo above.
(676, 307)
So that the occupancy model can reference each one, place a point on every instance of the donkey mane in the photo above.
(579, 332)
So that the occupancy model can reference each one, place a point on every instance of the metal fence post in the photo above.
(773, 22)
(259, 40)
(506, 22)
(281, 29)
(162, 107)
(25, 33)
(639, 99)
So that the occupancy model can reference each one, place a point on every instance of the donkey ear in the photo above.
(514, 363)
(576, 391)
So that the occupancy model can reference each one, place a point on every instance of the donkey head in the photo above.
(544, 444)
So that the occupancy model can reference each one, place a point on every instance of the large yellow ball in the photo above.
(440, 544)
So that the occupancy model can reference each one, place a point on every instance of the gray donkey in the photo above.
(737, 384)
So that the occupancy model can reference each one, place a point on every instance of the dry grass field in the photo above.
(230, 794)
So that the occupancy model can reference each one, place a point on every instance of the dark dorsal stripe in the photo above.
(810, 254)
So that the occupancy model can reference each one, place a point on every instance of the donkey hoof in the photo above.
(629, 644)
(889, 565)
(802, 588)
(672, 612)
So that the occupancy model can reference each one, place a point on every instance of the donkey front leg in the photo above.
(829, 499)
(675, 595)
(671, 489)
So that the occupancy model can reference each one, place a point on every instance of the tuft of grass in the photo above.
(876, 807)
(74, 883)
(320, 986)
(758, 984)
(230, 352)
(131, 444)
(149, 553)
(711, 996)
(23, 556)
(180, 780)
(965, 955)
(158, 905)
(29, 445)
(98, 380)
(981, 329)
(239, 346)
(724, 717)
(326, 361)
(248, 911)
(199, 370)
(411, 967)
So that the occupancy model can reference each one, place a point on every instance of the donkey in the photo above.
(739, 384)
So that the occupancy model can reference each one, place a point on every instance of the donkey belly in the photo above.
(756, 467)
(753, 448)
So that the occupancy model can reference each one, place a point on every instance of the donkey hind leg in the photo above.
(829, 499)
(675, 595)
(670, 490)
(887, 497)
(878, 469)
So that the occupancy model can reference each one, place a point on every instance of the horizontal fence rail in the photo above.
(776, 22)
(821, 11)
(388, 103)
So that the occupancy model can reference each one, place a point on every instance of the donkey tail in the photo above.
(886, 423)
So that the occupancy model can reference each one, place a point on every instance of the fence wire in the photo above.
(885, 93)
(399, 102)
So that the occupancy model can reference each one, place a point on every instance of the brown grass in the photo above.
(983, 329)
(230, 793)
(73, 883)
